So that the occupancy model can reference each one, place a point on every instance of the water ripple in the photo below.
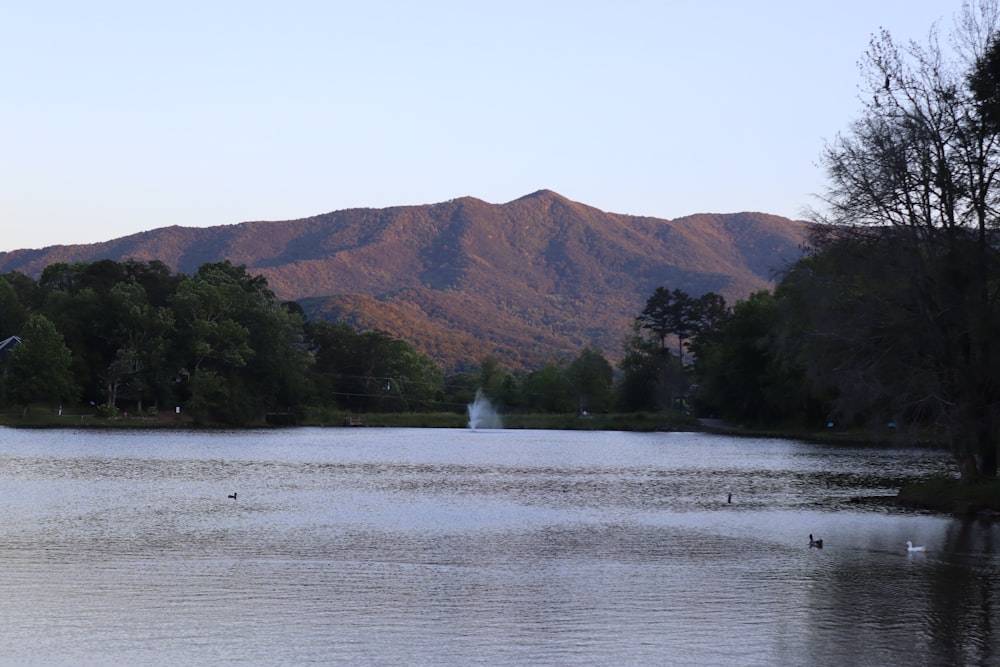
(362, 546)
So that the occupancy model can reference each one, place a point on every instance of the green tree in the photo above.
(396, 377)
(548, 390)
(331, 346)
(590, 379)
(742, 376)
(140, 334)
(207, 306)
(692, 321)
(13, 314)
(155, 278)
(460, 390)
(251, 349)
(83, 318)
(651, 375)
(491, 377)
(38, 369)
(26, 289)
(710, 313)
(371, 371)
(62, 277)
(669, 313)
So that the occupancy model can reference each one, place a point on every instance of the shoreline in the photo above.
(952, 496)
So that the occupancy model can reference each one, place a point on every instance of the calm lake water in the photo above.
(457, 547)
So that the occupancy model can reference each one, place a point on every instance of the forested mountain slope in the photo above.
(526, 281)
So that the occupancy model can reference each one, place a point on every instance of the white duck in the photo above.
(910, 547)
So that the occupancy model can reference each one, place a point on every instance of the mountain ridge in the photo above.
(533, 279)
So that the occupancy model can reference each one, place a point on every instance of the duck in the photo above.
(815, 543)
(232, 495)
(910, 547)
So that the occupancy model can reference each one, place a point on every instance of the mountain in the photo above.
(526, 281)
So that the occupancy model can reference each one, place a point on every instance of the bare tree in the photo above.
(912, 302)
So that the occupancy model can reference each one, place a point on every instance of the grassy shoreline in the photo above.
(605, 422)
(952, 496)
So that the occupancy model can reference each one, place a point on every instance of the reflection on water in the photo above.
(454, 547)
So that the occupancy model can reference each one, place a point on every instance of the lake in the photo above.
(373, 546)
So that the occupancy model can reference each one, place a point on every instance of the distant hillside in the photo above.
(526, 281)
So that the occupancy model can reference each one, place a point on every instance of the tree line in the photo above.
(133, 336)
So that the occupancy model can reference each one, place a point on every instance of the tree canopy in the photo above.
(38, 369)
(133, 337)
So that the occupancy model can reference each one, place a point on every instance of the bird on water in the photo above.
(910, 547)
(232, 495)
(815, 543)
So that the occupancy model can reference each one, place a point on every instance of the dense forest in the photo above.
(133, 336)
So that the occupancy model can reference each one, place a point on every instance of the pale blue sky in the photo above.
(119, 117)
